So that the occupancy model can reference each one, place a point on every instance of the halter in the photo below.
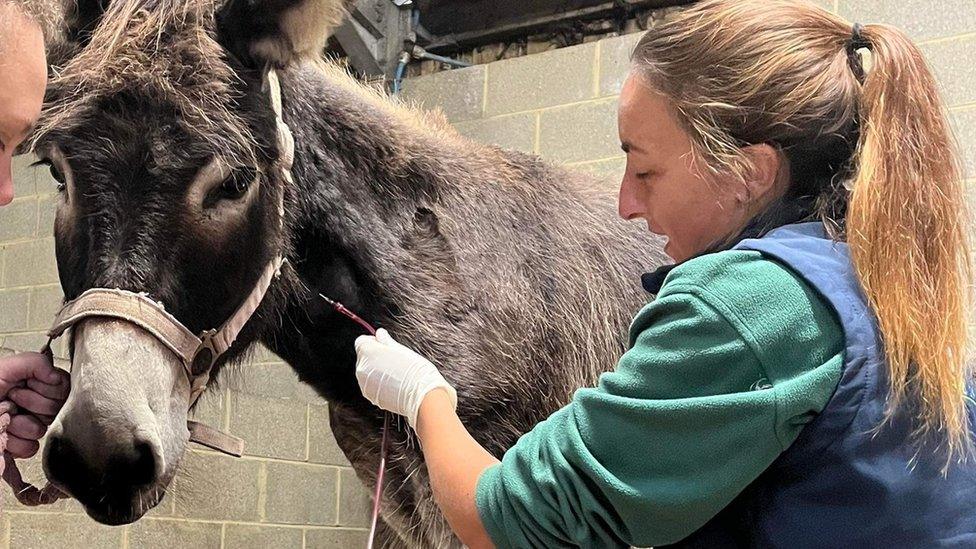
(197, 353)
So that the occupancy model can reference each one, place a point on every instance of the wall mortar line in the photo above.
(484, 92)
(308, 432)
(596, 68)
(590, 101)
(263, 492)
(962, 107)
(943, 39)
(537, 146)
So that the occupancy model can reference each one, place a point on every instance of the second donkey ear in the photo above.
(278, 32)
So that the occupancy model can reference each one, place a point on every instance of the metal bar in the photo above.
(360, 46)
(531, 25)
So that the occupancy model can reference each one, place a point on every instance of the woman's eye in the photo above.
(56, 173)
(237, 184)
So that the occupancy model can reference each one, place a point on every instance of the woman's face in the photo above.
(664, 184)
(23, 76)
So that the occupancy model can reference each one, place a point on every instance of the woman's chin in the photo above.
(672, 251)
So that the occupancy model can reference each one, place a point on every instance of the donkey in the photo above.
(513, 275)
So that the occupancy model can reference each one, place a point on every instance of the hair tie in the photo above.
(856, 42)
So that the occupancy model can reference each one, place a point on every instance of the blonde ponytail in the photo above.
(909, 237)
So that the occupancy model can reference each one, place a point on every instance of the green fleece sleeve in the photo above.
(725, 368)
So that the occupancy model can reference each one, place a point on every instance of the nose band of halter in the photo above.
(197, 353)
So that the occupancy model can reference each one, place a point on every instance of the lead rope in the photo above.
(384, 445)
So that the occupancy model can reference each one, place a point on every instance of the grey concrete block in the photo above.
(322, 447)
(18, 220)
(30, 263)
(271, 427)
(301, 494)
(952, 62)
(580, 133)
(615, 62)
(24, 175)
(459, 93)
(544, 80)
(245, 536)
(153, 533)
(828, 5)
(275, 380)
(45, 302)
(14, 310)
(328, 538)
(25, 342)
(920, 19)
(964, 124)
(355, 502)
(515, 131)
(47, 208)
(262, 354)
(44, 531)
(211, 486)
(210, 409)
(611, 170)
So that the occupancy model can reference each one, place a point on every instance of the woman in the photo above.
(814, 208)
(32, 390)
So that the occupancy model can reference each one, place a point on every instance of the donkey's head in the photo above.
(161, 135)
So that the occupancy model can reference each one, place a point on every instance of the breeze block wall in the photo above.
(562, 104)
(294, 489)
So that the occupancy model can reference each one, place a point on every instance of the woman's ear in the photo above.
(278, 33)
(765, 175)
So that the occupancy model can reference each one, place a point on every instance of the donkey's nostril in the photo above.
(64, 464)
(141, 470)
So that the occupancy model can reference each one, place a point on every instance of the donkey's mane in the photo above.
(161, 51)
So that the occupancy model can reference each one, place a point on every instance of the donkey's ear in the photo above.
(278, 32)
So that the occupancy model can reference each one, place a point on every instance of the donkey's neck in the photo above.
(364, 176)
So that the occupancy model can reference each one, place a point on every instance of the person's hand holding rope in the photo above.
(32, 392)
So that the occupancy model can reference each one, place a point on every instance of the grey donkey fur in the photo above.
(511, 274)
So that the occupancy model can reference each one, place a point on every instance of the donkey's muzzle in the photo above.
(109, 488)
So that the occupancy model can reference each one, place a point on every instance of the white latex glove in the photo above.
(394, 377)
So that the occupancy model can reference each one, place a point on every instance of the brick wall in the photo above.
(294, 489)
(562, 104)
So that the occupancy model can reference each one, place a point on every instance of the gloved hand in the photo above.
(394, 377)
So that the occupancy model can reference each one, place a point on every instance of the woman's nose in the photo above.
(6, 189)
(628, 204)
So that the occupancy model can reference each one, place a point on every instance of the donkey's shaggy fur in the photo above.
(514, 276)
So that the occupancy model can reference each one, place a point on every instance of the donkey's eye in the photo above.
(237, 184)
(56, 173)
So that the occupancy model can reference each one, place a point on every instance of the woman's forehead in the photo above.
(646, 121)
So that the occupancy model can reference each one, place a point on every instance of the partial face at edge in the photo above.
(23, 74)
(664, 184)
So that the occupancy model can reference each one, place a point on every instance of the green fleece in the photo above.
(725, 368)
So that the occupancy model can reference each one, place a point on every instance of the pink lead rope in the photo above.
(339, 307)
